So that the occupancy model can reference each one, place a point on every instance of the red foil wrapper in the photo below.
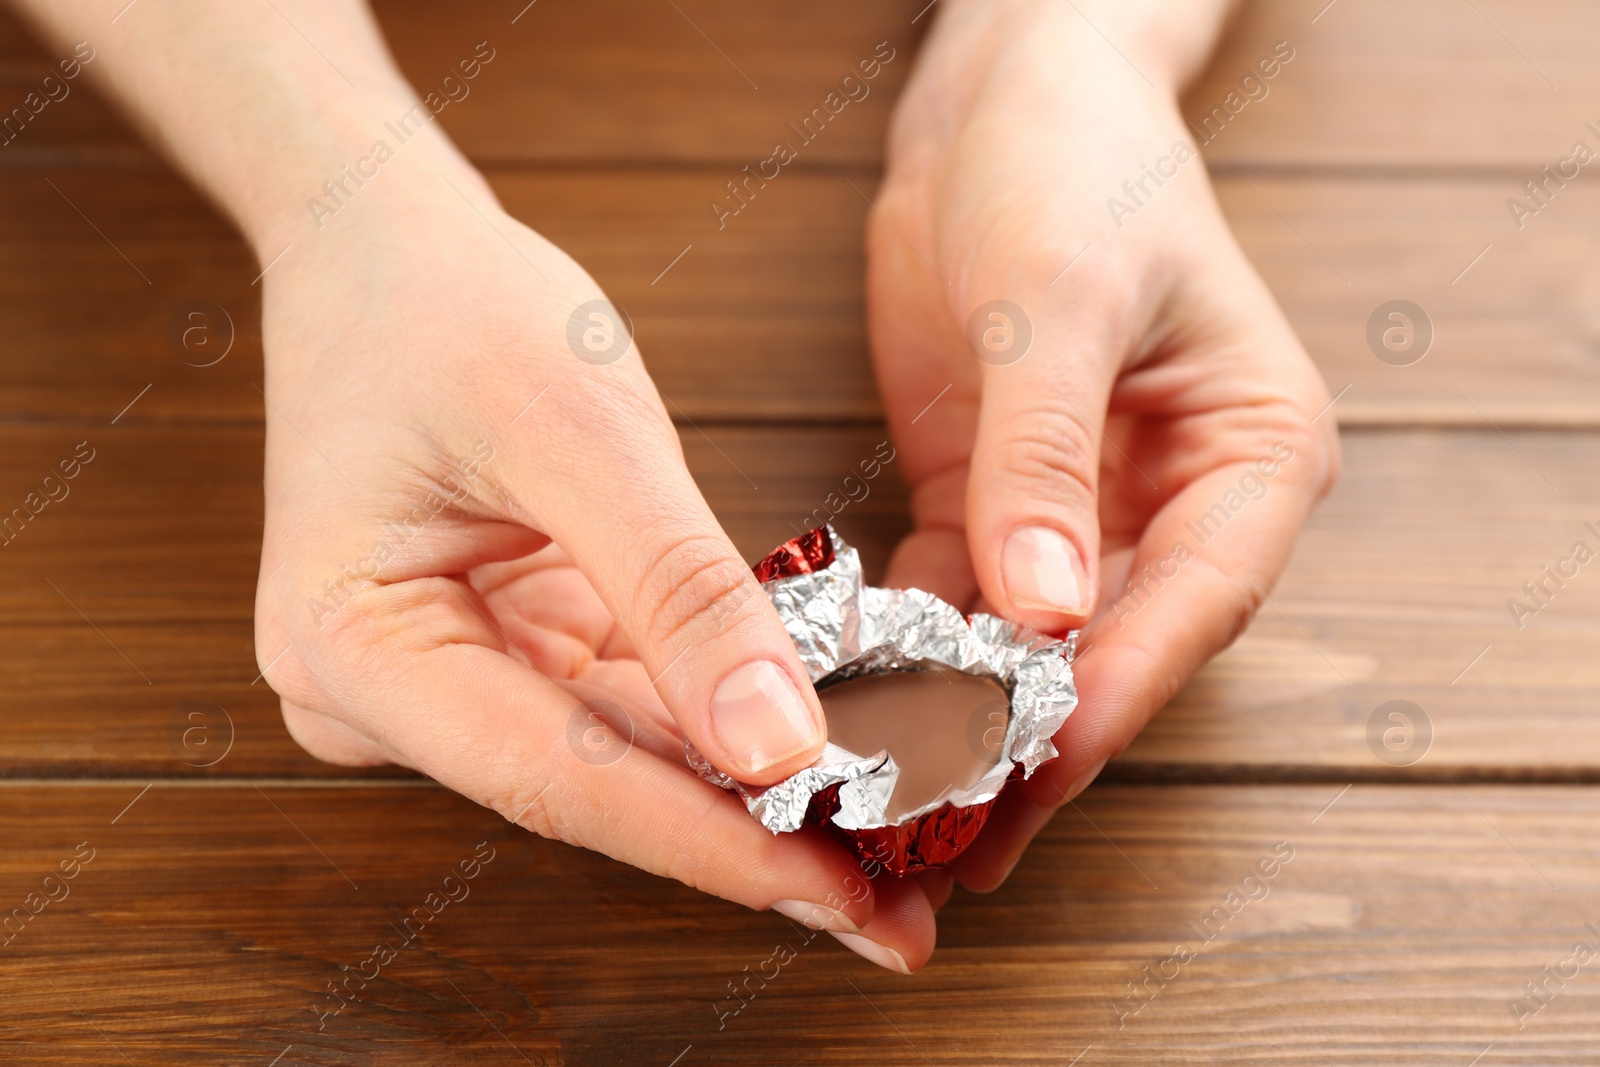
(934, 839)
(843, 630)
(805, 554)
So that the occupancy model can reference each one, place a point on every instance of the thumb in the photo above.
(1032, 496)
(636, 525)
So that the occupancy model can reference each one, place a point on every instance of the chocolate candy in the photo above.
(930, 712)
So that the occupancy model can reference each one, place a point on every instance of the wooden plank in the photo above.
(163, 524)
(161, 699)
(1365, 86)
(774, 299)
(210, 923)
(627, 81)
(1424, 84)
(1513, 330)
(1400, 582)
(129, 600)
(618, 81)
(763, 319)
(1399, 590)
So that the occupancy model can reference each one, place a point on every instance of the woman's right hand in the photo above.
(485, 559)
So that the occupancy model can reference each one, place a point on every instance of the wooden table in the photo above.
(223, 879)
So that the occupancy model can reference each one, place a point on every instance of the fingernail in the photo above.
(1081, 783)
(815, 916)
(760, 718)
(867, 949)
(1042, 570)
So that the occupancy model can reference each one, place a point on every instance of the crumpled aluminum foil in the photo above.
(844, 628)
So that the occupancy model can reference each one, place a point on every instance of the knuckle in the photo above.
(1332, 463)
(1050, 451)
(686, 861)
(303, 729)
(900, 223)
(534, 808)
(303, 628)
(692, 586)
(329, 740)
(1315, 453)
(408, 617)
(1242, 606)
(899, 200)
(282, 662)
(608, 403)
(347, 641)
(355, 649)
(1241, 601)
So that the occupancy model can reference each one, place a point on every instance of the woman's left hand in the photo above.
(1104, 418)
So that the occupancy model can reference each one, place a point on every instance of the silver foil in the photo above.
(844, 628)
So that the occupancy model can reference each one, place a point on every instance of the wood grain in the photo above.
(628, 81)
(614, 81)
(164, 523)
(77, 703)
(625, 81)
(1399, 590)
(777, 294)
(1397, 926)
(1420, 85)
(129, 600)
(1400, 582)
(1512, 312)
(234, 879)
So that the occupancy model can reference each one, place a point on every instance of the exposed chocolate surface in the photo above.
(943, 728)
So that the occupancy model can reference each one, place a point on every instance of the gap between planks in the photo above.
(1155, 775)
(1369, 423)
(138, 159)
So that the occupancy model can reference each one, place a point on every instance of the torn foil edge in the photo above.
(844, 628)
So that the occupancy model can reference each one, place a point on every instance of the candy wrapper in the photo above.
(845, 630)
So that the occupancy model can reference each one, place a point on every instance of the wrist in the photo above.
(371, 156)
(1166, 41)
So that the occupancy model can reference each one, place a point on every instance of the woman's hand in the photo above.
(1104, 418)
(483, 556)
(485, 559)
